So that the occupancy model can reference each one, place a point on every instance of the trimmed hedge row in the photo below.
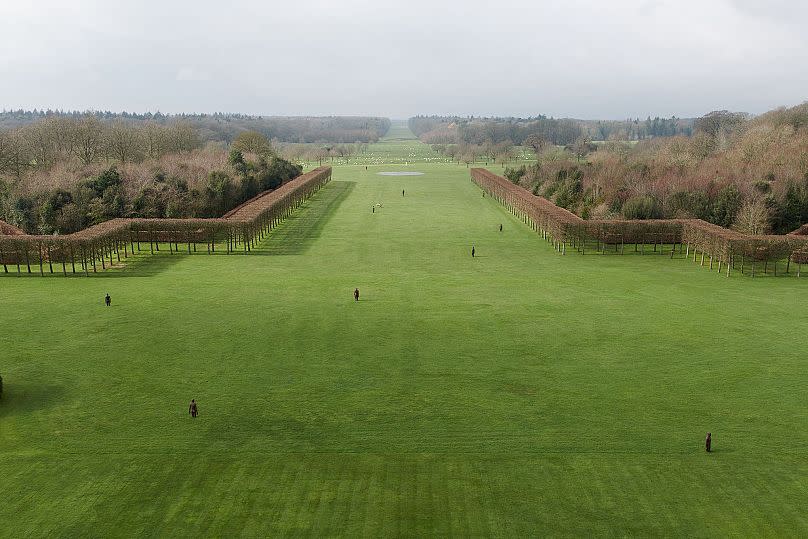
(723, 246)
(9, 230)
(101, 244)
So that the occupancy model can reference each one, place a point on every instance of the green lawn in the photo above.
(519, 393)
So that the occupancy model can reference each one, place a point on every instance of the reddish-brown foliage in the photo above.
(564, 228)
(242, 226)
(9, 230)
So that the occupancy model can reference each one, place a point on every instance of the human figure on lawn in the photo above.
(356, 294)
(500, 227)
(108, 300)
(192, 408)
(472, 251)
(708, 442)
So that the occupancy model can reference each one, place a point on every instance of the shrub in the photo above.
(515, 174)
(569, 193)
(726, 207)
(642, 207)
(763, 187)
(109, 178)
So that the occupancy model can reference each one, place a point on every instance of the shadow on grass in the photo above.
(25, 398)
(292, 237)
(296, 234)
(142, 265)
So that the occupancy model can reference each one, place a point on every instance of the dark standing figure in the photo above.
(373, 209)
(500, 227)
(356, 294)
(708, 442)
(108, 300)
(402, 192)
(472, 251)
(192, 408)
(366, 167)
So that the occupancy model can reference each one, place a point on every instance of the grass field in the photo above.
(519, 393)
(400, 148)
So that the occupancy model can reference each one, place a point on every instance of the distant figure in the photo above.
(483, 194)
(708, 442)
(108, 300)
(366, 167)
(356, 294)
(500, 227)
(373, 209)
(402, 192)
(472, 251)
(192, 408)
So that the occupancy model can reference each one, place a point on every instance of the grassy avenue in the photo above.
(518, 393)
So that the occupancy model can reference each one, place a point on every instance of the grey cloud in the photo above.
(577, 58)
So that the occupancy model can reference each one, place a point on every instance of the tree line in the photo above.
(734, 171)
(717, 246)
(556, 131)
(322, 153)
(86, 139)
(60, 175)
(222, 127)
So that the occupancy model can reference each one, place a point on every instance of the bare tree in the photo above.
(89, 139)
(154, 139)
(537, 143)
(14, 158)
(504, 151)
(40, 139)
(320, 154)
(124, 142)
(181, 137)
(64, 130)
(753, 217)
(253, 142)
(452, 151)
(344, 150)
(582, 147)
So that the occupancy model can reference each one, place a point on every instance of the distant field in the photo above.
(400, 146)
(518, 393)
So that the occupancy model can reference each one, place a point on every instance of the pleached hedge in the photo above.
(707, 243)
(104, 244)
(8, 230)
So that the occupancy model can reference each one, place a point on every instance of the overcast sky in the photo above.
(564, 58)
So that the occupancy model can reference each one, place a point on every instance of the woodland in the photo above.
(60, 173)
(729, 169)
